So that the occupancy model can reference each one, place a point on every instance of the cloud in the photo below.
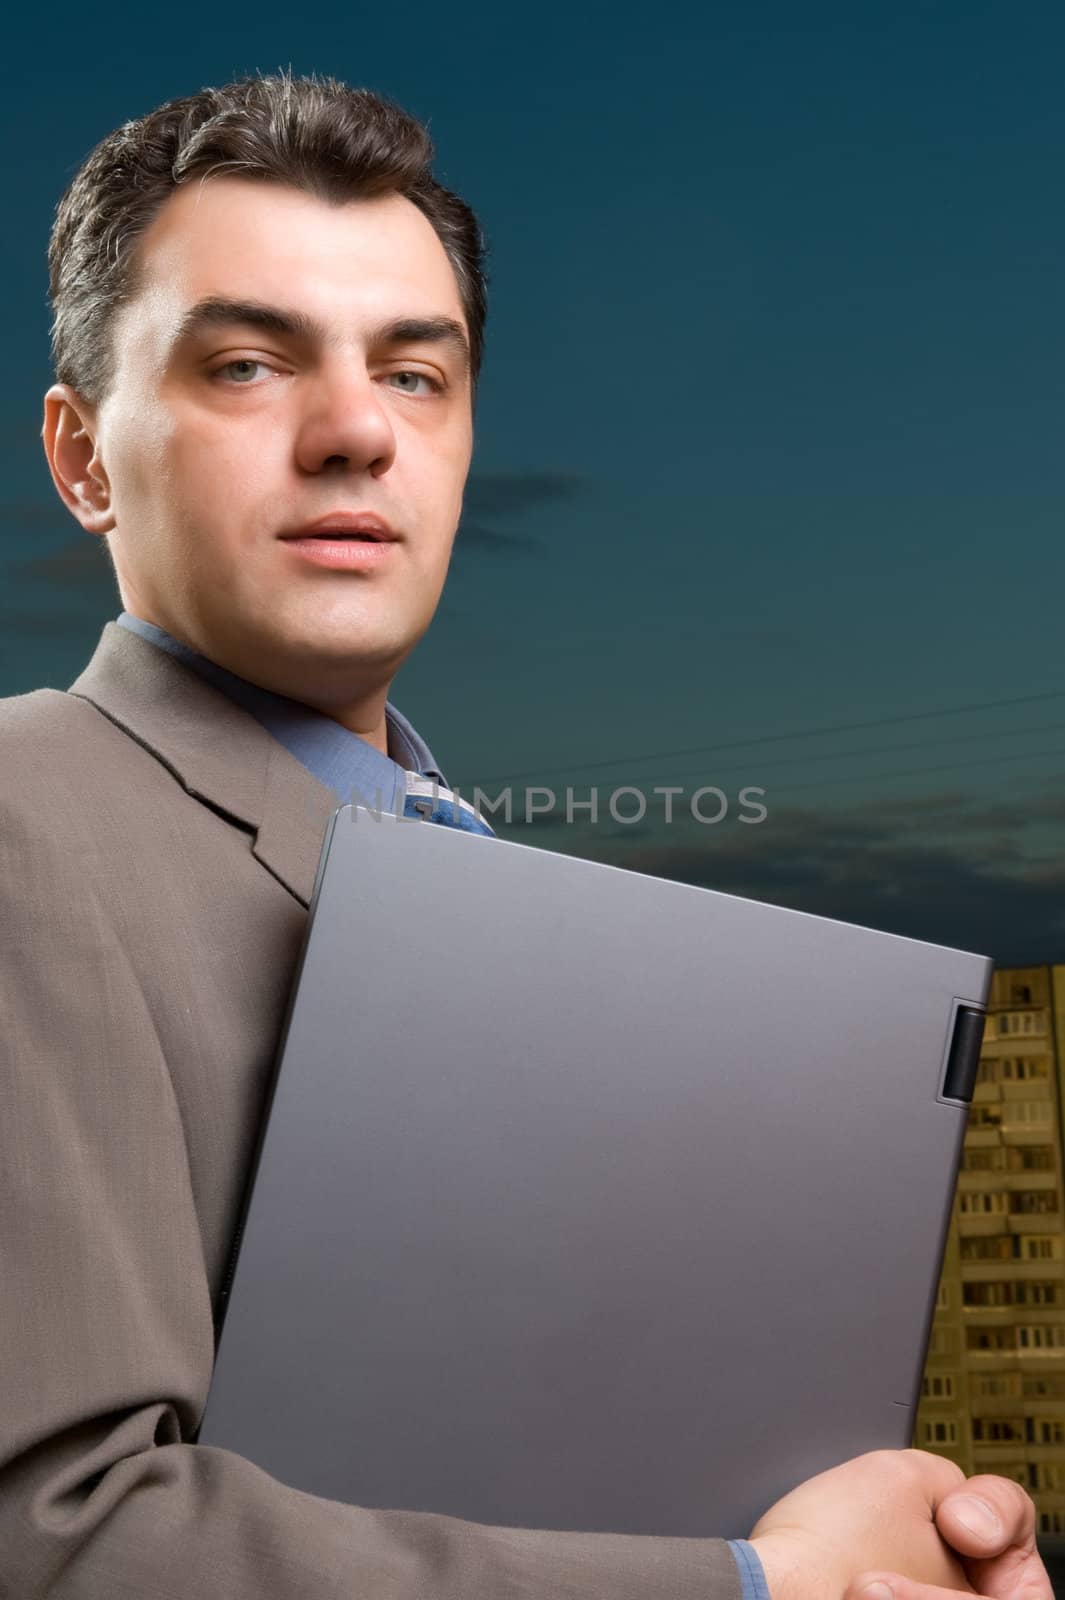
(995, 884)
(959, 813)
(475, 536)
(999, 901)
(504, 494)
(59, 592)
(81, 563)
(16, 514)
(492, 498)
(38, 624)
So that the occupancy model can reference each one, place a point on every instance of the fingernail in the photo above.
(878, 1591)
(976, 1515)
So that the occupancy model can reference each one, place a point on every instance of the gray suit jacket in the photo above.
(157, 854)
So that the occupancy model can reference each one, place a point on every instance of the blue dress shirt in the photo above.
(752, 1573)
(357, 772)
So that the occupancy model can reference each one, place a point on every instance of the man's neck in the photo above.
(364, 715)
(368, 721)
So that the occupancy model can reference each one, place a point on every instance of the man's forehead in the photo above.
(237, 240)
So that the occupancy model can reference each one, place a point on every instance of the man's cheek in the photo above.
(211, 480)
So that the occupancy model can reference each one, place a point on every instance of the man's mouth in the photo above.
(345, 541)
(361, 527)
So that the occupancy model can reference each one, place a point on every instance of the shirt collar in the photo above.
(349, 765)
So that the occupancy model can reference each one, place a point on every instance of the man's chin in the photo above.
(337, 658)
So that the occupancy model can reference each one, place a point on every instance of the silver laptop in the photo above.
(588, 1199)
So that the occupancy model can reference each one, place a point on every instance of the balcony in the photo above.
(982, 1224)
(1044, 1222)
(1012, 1271)
(1033, 1180)
(991, 1360)
(977, 1138)
(995, 1405)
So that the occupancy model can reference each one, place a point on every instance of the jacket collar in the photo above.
(219, 753)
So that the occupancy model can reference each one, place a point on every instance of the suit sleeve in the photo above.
(106, 1338)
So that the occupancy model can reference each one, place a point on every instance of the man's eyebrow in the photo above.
(216, 312)
(427, 330)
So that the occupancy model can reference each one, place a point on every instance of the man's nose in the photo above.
(344, 422)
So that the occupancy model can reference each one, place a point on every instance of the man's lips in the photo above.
(351, 541)
(340, 525)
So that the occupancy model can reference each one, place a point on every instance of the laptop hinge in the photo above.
(964, 1056)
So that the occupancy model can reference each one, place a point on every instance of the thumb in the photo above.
(893, 1586)
(990, 1523)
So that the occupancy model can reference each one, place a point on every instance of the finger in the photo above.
(939, 1477)
(985, 1515)
(893, 1586)
(990, 1522)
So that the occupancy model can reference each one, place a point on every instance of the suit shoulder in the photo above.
(49, 739)
(28, 716)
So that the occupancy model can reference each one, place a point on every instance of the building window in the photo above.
(1026, 1111)
(1033, 1202)
(1050, 1475)
(1011, 1023)
(986, 1116)
(1040, 1246)
(989, 1247)
(981, 1203)
(998, 1430)
(943, 1297)
(993, 1160)
(994, 1339)
(993, 1295)
(997, 1384)
(1023, 1069)
(1031, 1158)
(940, 1432)
(938, 1386)
(987, 1294)
(1047, 1336)
(1043, 1386)
(1038, 1294)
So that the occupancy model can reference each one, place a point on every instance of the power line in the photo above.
(915, 772)
(872, 750)
(919, 772)
(768, 738)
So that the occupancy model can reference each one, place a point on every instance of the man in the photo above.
(268, 329)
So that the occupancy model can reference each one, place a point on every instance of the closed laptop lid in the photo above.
(588, 1199)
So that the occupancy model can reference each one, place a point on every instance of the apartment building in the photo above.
(993, 1395)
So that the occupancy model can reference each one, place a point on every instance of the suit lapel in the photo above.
(296, 809)
(216, 750)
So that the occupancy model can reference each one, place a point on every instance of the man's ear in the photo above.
(69, 435)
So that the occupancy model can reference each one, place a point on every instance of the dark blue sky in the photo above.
(769, 437)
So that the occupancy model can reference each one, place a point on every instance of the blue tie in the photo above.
(428, 799)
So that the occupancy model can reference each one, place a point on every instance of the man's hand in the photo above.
(990, 1523)
(898, 1517)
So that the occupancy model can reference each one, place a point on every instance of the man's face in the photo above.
(222, 435)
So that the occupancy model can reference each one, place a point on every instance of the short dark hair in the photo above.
(311, 133)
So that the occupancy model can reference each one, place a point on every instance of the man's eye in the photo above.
(435, 386)
(238, 369)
